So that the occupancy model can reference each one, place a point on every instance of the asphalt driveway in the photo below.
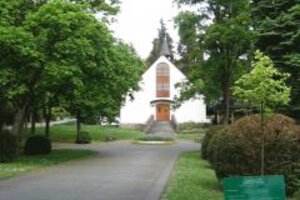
(121, 171)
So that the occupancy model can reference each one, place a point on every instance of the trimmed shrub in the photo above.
(206, 140)
(37, 145)
(237, 150)
(110, 138)
(83, 138)
(8, 146)
(214, 145)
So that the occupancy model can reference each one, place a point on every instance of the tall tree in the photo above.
(19, 62)
(61, 54)
(278, 28)
(83, 64)
(158, 42)
(22, 76)
(222, 34)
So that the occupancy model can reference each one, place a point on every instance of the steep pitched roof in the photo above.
(165, 51)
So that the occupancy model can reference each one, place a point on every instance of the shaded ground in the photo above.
(121, 171)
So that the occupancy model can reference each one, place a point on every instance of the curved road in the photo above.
(121, 171)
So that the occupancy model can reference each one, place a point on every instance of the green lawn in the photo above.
(28, 163)
(189, 136)
(67, 133)
(192, 179)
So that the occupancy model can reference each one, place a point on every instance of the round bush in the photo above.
(37, 145)
(237, 150)
(83, 138)
(8, 146)
(206, 140)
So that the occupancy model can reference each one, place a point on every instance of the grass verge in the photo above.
(67, 133)
(189, 136)
(192, 179)
(29, 163)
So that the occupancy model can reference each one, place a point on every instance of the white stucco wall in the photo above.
(139, 110)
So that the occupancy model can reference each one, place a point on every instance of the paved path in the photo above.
(121, 171)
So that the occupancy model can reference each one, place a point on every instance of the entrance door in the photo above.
(163, 112)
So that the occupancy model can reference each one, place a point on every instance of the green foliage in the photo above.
(264, 87)
(56, 53)
(91, 118)
(59, 112)
(225, 41)
(213, 145)
(37, 145)
(236, 151)
(14, 12)
(18, 63)
(83, 138)
(8, 146)
(206, 140)
(277, 29)
(190, 47)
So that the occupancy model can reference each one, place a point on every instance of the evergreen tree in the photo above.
(278, 36)
(158, 42)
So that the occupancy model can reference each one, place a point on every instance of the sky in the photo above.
(138, 22)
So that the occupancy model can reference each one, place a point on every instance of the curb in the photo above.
(153, 142)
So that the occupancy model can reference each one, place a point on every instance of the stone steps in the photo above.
(162, 128)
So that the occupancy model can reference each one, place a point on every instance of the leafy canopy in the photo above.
(264, 86)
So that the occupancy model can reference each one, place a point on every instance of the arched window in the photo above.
(163, 70)
(162, 80)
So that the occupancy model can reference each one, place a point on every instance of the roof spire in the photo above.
(165, 51)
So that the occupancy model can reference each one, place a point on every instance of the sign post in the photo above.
(254, 188)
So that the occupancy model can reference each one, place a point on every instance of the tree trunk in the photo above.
(226, 104)
(33, 120)
(78, 124)
(18, 125)
(47, 112)
(262, 119)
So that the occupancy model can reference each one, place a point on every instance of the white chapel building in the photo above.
(156, 96)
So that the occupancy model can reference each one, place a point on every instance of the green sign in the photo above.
(254, 188)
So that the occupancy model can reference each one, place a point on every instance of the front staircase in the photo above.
(161, 128)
